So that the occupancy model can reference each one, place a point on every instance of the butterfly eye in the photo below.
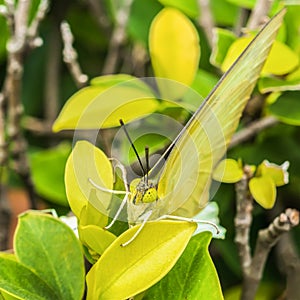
(150, 195)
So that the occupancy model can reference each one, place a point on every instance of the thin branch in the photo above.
(267, 238)
(5, 217)
(289, 263)
(139, 59)
(16, 47)
(17, 19)
(52, 75)
(3, 146)
(259, 13)
(243, 219)
(8, 12)
(32, 32)
(253, 129)
(70, 56)
(206, 20)
(118, 37)
(240, 21)
(98, 11)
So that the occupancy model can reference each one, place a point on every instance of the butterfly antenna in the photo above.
(147, 162)
(133, 147)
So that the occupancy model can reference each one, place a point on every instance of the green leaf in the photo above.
(244, 3)
(223, 38)
(50, 249)
(263, 190)
(224, 13)
(273, 84)
(228, 171)
(104, 103)
(141, 15)
(6, 296)
(266, 291)
(193, 277)
(155, 131)
(50, 184)
(4, 34)
(122, 272)
(292, 22)
(295, 75)
(87, 161)
(19, 281)
(203, 83)
(174, 50)
(188, 7)
(287, 108)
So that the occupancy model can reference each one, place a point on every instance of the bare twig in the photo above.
(98, 11)
(259, 13)
(70, 56)
(206, 20)
(243, 219)
(118, 37)
(52, 75)
(16, 47)
(267, 238)
(5, 217)
(32, 32)
(3, 148)
(253, 266)
(289, 263)
(240, 21)
(139, 58)
(251, 130)
(17, 18)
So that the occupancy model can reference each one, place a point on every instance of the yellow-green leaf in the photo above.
(279, 174)
(95, 238)
(122, 272)
(280, 61)
(193, 277)
(89, 215)
(228, 171)
(87, 162)
(107, 81)
(263, 190)
(103, 105)
(174, 48)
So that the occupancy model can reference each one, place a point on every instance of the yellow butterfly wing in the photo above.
(186, 177)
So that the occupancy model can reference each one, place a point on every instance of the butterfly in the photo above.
(181, 188)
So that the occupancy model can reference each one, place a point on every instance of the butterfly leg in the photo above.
(189, 220)
(123, 203)
(145, 218)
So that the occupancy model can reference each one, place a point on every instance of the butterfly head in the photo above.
(143, 191)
